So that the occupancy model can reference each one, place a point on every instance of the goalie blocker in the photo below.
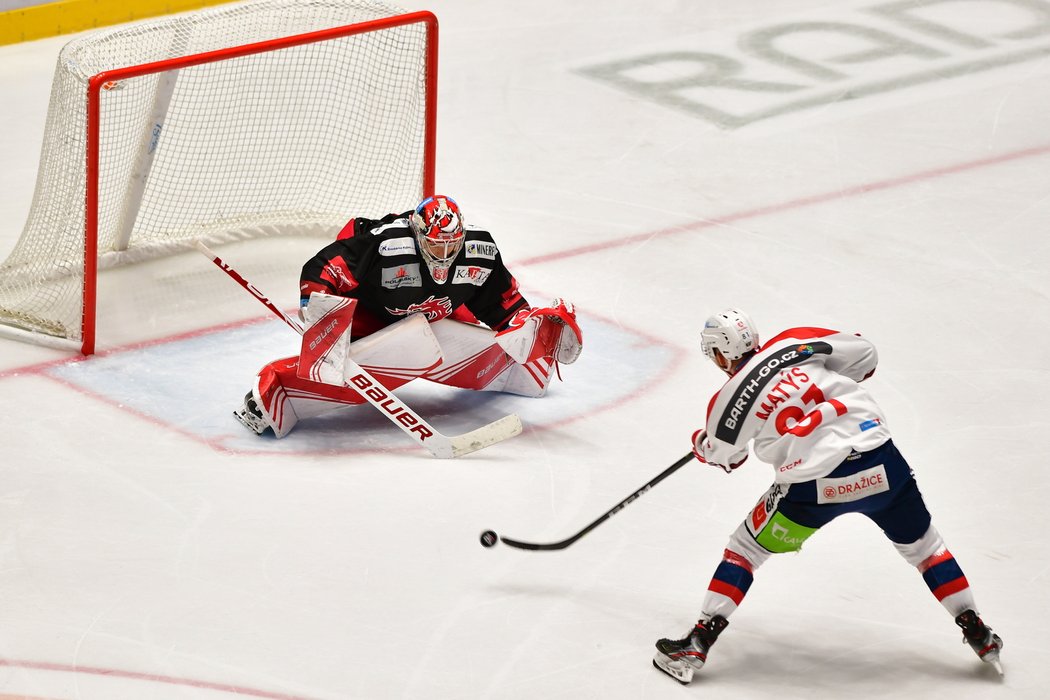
(520, 359)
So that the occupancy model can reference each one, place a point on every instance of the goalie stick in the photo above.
(439, 445)
(608, 514)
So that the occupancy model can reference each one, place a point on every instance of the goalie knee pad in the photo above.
(398, 353)
(471, 359)
(474, 359)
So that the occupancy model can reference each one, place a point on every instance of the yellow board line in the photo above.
(68, 16)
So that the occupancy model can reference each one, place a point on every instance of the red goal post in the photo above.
(291, 134)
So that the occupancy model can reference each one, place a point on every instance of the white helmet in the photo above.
(731, 332)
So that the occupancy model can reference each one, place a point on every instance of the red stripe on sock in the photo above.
(729, 591)
(947, 589)
(734, 558)
(943, 555)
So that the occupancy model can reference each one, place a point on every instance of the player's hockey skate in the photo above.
(250, 416)
(985, 643)
(680, 659)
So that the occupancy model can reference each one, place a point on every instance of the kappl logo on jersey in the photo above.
(398, 246)
(481, 249)
(471, 275)
(430, 307)
(754, 383)
(402, 276)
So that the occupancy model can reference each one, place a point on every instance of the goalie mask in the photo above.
(732, 334)
(438, 226)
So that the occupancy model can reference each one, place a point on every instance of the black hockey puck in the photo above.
(489, 538)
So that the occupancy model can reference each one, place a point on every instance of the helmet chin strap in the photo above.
(724, 364)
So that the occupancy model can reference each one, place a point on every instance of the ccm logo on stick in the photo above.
(391, 405)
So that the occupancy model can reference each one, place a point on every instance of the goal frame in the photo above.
(96, 83)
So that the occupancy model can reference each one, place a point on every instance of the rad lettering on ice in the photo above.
(736, 78)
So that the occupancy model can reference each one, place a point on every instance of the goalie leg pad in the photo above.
(404, 350)
(530, 379)
(284, 398)
(270, 399)
(394, 356)
(476, 359)
(471, 357)
(401, 351)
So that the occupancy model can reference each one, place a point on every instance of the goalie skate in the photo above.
(250, 416)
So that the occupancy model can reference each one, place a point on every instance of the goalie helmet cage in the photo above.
(275, 117)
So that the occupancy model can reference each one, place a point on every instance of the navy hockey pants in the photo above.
(880, 484)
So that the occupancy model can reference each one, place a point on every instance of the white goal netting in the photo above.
(284, 141)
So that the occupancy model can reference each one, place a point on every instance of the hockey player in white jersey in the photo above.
(798, 401)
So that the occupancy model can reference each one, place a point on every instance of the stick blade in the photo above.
(535, 546)
(485, 436)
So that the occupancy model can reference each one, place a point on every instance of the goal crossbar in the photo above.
(95, 160)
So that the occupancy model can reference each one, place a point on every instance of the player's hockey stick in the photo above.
(488, 538)
(439, 445)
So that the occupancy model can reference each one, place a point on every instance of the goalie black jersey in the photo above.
(377, 262)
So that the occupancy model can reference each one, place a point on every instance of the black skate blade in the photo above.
(664, 671)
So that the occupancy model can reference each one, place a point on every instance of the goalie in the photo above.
(411, 295)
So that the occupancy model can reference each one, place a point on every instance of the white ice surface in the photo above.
(150, 548)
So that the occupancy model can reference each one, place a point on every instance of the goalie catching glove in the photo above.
(549, 332)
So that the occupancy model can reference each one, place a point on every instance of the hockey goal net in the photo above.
(263, 118)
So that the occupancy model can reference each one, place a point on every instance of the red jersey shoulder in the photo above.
(347, 231)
